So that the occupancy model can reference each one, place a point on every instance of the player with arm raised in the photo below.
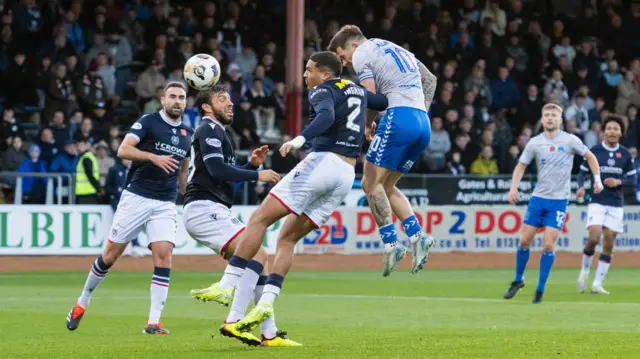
(312, 190)
(210, 192)
(553, 151)
(402, 135)
(158, 144)
(605, 213)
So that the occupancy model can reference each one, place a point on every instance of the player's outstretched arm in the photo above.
(429, 83)
(376, 102)
(129, 151)
(592, 161)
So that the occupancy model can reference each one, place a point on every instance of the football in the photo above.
(201, 71)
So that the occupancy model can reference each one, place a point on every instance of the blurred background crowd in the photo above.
(76, 74)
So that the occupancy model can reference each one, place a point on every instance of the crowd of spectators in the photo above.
(80, 72)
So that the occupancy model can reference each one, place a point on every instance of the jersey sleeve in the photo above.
(577, 146)
(139, 129)
(361, 62)
(324, 106)
(527, 154)
(210, 142)
(630, 167)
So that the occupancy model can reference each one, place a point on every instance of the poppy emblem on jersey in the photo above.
(213, 142)
(618, 155)
(175, 140)
(183, 132)
(552, 148)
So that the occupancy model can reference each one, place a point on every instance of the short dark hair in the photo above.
(204, 97)
(340, 39)
(615, 119)
(329, 61)
(171, 84)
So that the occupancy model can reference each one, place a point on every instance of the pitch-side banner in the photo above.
(83, 230)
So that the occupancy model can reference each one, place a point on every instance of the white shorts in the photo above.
(606, 216)
(316, 186)
(211, 224)
(135, 211)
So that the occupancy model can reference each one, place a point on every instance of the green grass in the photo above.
(436, 314)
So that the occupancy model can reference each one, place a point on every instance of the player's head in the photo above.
(613, 129)
(551, 117)
(174, 99)
(215, 102)
(345, 42)
(322, 66)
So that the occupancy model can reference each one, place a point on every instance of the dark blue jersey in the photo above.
(340, 105)
(616, 163)
(155, 134)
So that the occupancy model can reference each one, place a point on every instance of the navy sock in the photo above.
(275, 280)
(588, 252)
(255, 266)
(388, 233)
(238, 262)
(546, 262)
(522, 257)
(411, 226)
(262, 280)
(135, 242)
(605, 258)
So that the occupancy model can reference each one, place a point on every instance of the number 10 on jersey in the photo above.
(403, 59)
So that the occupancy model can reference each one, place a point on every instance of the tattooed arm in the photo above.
(429, 82)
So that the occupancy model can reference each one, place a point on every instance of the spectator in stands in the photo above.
(485, 164)
(510, 160)
(105, 162)
(91, 92)
(627, 93)
(579, 114)
(149, 81)
(34, 189)
(478, 83)
(435, 156)
(154, 105)
(263, 109)
(12, 158)
(86, 133)
(65, 161)
(48, 146)
(19, 85)
(504, 90)
(10, 128)
(88, 187)
(60, 93)
(454, 167)
(591, 136)
(244, 125)
(557, 88)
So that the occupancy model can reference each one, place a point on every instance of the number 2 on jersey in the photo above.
(402, 58)
(351, 102)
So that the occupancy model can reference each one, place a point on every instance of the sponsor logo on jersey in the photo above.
(165, 147)
(213, 142)
(136, 126)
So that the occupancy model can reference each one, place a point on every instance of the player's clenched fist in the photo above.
(513, 196)
(268, 176)
(167, 163)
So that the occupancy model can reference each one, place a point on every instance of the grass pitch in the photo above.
(436, 314)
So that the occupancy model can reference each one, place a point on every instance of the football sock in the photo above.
(97, 274)
(159, 291)
(412, 228)
(389, 236)
(546, 262)
(522, 257)
(244, 293)
(603, 268)
(233, 272)
(587, 258)
(272, 288)
(268, 327)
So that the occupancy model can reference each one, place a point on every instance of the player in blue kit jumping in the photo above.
(605, 213)
(553, 151)
(403, 134)
(159, 146)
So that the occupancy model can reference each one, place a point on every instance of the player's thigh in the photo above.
(302, 184)
(163, 223)
(614, 219)
(420, 143)
(596, 214)
(321, 209)
(131, 215)
(555, 213)
(212, 225)
(527, 235)
(535, 213)
(395, 134)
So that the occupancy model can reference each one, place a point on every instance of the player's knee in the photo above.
(112, 252)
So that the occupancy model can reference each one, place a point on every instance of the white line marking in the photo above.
(327, 296)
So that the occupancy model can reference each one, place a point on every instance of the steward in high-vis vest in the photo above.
(87, 175)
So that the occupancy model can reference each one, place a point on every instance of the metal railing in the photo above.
(55, 181)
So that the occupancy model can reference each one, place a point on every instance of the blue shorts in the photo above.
(544, 212)
(401, 136)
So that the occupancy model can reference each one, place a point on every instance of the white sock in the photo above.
(415, 238)
(586, 263)
(233, 272)
(159, 291)
(97, 274)
(601, 272)
(269, 293)
(244, 292)
(268, 327)
(388, 247)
